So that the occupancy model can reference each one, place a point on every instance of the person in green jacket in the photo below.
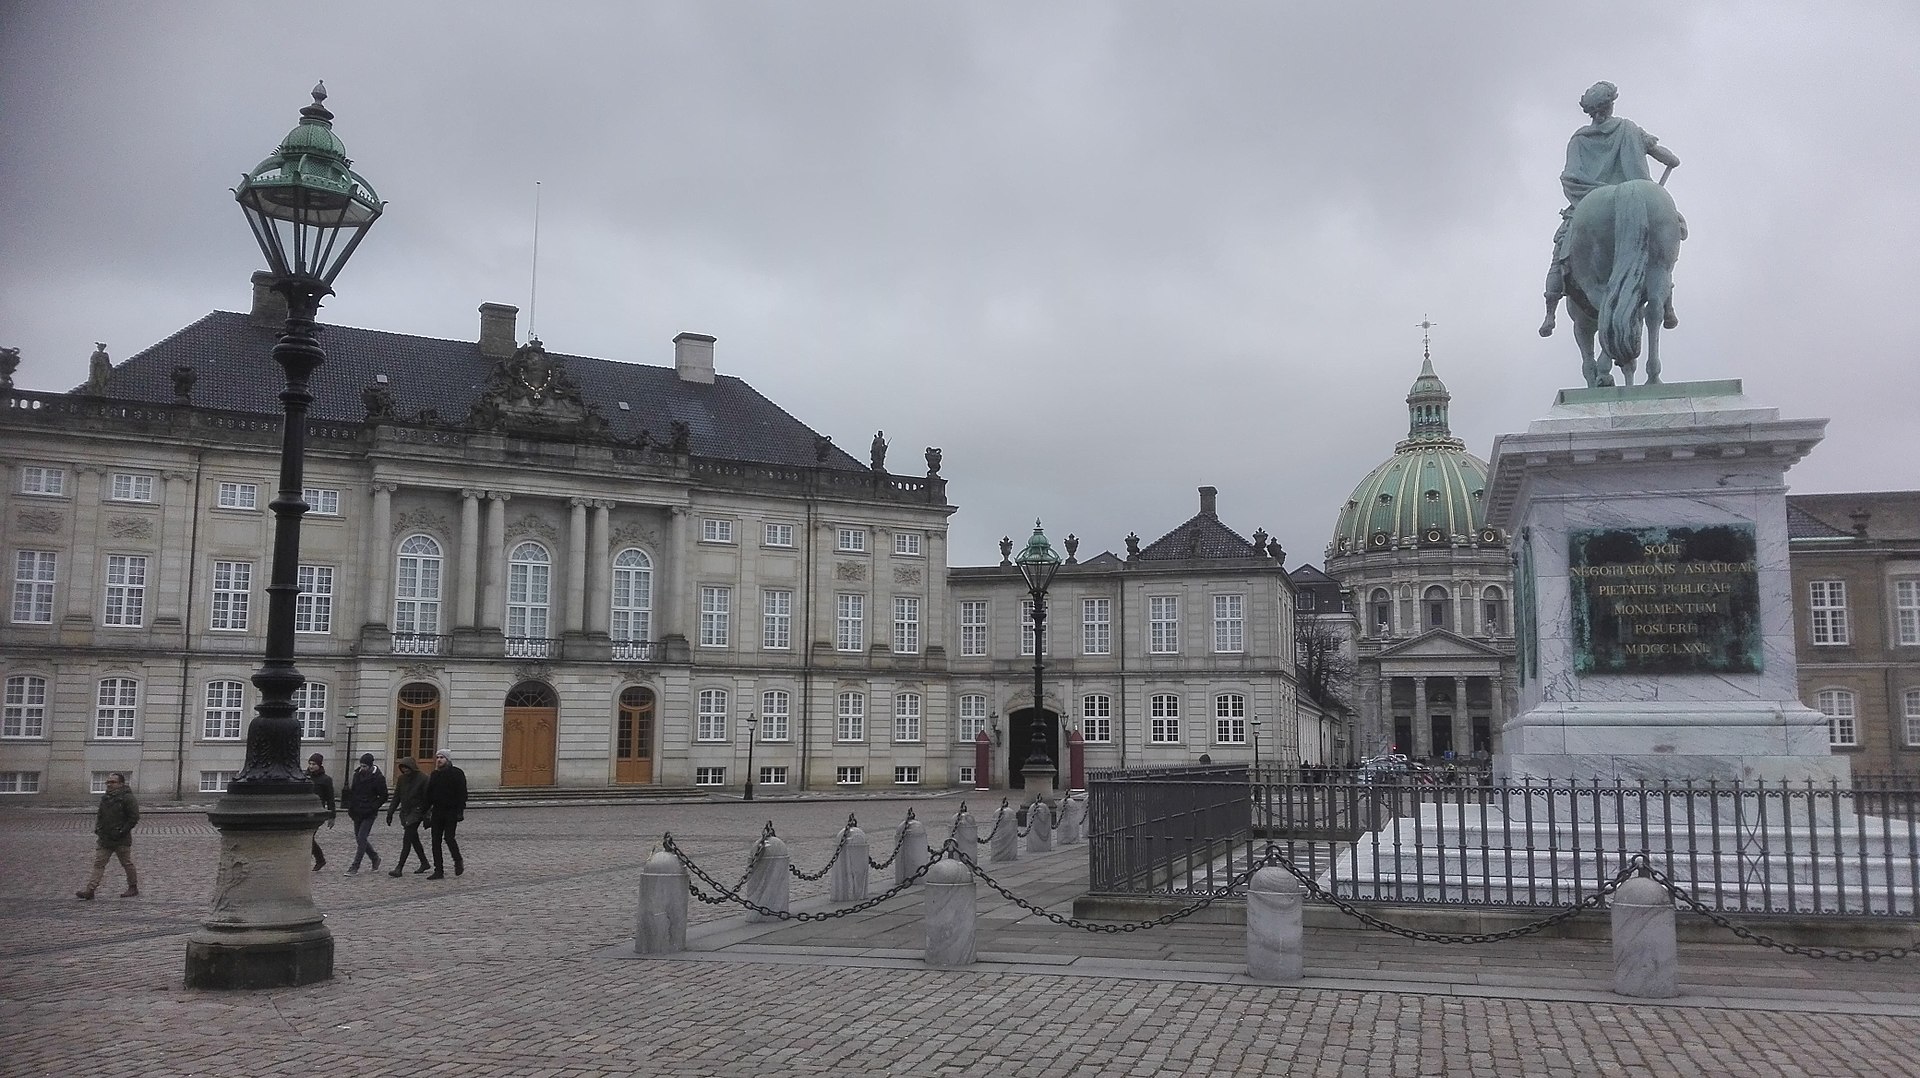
(113, 829)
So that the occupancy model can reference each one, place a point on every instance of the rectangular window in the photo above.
(712, 723)
(313, 610)
(1229, 624)
(43, 481)
(973, 627)
(849, 776)
(716, 531)
(115, 708)
(310, 708)
(776, 710)
(126, 601)
(1837, 706)
(19, 782)
(97, 781)
(321, 501)
(850, 715)
(226, 702)
(973, 717)
(851, 541)
(25, 714)
(906, 625)
(906, 776)
(1026, 631)
(966, 775)
(1163, 625)
(130, 487)
(33, 577)
(906, 544)
(779, 535)
(849, 622)
(215, 782)
(1230, 719)
(906, 716)
(238, 496)
(232, 593)
(1096, 626)
(1163, 713)
(1096, 718)
(1827, 607)
(776, 618)
(709, 776)
(1911, 713)
(1906, 612)
(775, 775)
(716, 617)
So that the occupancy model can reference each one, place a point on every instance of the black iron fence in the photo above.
(1801, 848)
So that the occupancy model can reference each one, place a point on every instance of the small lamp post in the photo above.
(1037, 564)
(350, 719)
(753, 730)
(308, 211)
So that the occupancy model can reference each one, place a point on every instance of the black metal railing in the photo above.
(1801, 848)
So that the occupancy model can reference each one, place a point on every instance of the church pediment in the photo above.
(1441, 644)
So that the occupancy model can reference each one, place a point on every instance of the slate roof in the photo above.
(1201, 537)
(1893, 515)
(1804, 525)
(232, 359)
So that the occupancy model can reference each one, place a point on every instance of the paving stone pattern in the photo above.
(505, 972)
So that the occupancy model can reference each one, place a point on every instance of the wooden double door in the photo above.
(529, 735)
(633, 738)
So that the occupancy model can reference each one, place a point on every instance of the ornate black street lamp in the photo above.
(1038, 563)
(753, 729)
(308, 211)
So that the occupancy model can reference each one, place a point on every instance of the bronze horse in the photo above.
(1622, 244)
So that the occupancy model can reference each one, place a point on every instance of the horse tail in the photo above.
(1626, 294)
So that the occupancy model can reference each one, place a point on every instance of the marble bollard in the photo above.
(914, 854)
(850, 873)
(767, 884)
(662, 925)
(1039, 828)
(1276, 949)
(1073, 822)
(966, 835)
(951, 915)
(1005, 844)
(1646, 954)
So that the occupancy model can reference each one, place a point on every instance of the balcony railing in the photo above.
(634, 651)
(531, 647)
(419, 644)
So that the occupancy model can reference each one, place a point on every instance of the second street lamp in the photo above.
(1038, 563)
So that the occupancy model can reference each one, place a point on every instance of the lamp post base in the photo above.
(1039, 782)
(264, 930)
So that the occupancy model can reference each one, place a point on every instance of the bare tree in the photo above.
(1323, 660)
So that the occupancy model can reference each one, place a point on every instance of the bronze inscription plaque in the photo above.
(1665, 600)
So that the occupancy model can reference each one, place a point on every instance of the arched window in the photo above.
(226, 703)
(1380, 612)
(632, 598)
(850, 712)
(529, 591)
(1838, 706)
(1493, 611)
(416, 588)
(1437, 609)
(116, 708)
(532, 694)
(416, 723)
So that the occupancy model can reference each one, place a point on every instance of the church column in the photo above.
(467, 585)
(379, 546)
(577, 565)
(493, 568)
(599, 570)
(674, 613)
(1462, 722)
(1422, 726)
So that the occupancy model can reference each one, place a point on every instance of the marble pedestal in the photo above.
(1688, 456)
(264, 930)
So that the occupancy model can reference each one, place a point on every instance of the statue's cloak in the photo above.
(1609, 152)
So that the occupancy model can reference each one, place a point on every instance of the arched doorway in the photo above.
(633, 736)
(527, 735)
(1023, 727)
(416, 724)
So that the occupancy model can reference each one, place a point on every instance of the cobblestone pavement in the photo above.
(504, 971)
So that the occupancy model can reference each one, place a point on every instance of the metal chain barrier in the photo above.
(845, 833)
(898, 844)
(1839, 954)
(753, 859)
(725, 895)
(953, 851)
(998, 819)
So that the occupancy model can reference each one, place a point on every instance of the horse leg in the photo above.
(1594, 370)
(1654, 320)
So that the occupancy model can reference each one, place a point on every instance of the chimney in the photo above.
(1860, 517)
(693, 358)
(269, 306)
(1207, 495)
(497, 336)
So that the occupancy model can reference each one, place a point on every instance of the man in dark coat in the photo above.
(446, 807)
(366, 792)
(113, 831)
(323, 789)
(410, 801)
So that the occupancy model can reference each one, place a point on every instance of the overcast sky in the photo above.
(1101, 253)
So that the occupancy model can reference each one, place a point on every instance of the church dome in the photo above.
(1430, 493)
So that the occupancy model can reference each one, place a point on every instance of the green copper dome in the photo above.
(1430, 493)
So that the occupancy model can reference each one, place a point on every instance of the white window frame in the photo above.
(125, 605)
(907, 545)
(716, 615)
(1163, 719)
(973, 717)
(778, 536)
(25, 711)
(631, 597)
(709, 776)
(906, 625)
(237, 496)
(35, 575)
(130, 487)
(974, 628)
(1910, 716)
(321, 501)
(232, 606)
(116, 717)
(419, 568)
(773, 774)
(1229, 624)
(1827, 613)
(908, 709)
(906, 774)
(216, 782)
(850, 540)
(711, 722)
(1841, 707)
(776, 715)
(849, 621)
(776, 619)
(966, 775)
(19, 782)
(1163, 625)
(1906, 612)
(849, 776)
(310, 709)
(1096, 626)
(1230, 719)
(529, 592)
(850, 717)
(43, 481)
(716, 530)
(224, 714)
(1096, 718)
(313, 607)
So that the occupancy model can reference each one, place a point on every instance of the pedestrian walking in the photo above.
(366, 792)
(323, 789)
(410, 801)
(113, 832)
(446, 807)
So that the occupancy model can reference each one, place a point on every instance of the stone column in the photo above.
(577, 565)
(493, 569)
(378, 546)
(176, 530)
(1422, 726)
(678, 614)
(85, 581)
(1462, 721)
(467, 583)
(599, 571)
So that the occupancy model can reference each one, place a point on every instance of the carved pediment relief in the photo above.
(531, 392)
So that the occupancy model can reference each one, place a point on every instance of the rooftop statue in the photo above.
(1619, 236)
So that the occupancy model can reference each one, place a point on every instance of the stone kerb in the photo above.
(662, 923)
(850, 876)
(767, 881)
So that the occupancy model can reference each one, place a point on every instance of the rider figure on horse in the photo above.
(1609, 150)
